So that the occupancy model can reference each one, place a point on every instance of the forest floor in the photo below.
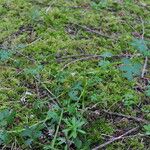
(74, 74)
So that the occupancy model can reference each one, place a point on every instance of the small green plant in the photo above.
(32, 134)
(100, 4)
(130, 69)
(6, 118)
(75, 91)
(105, 63)
(4, 137)
(141, 46)
(73, 127)
(35, 14)
(4, 55)
(47, 107)
(129, 100)
(147, 129)
(147, 92)
(33, 71)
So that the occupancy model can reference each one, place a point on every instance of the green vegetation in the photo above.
(74, 74)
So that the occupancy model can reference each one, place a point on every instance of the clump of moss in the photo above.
(97, 129)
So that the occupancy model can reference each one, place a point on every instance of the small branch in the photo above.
(76, 60)
(57, 129)
(76, 56)
(98, 112)
(90, 57)
(144, 67)
(94, 31)
(116, 139)
(146, 58)
(97, 56)
(122, 115)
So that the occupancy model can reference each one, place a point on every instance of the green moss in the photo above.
(97, 129)
(37, 33)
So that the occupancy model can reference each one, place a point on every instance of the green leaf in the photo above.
(32, 133)
(147, 129)
(53, 116)
(129, 100)
(107, 54)
(73, 127)
(130, 69)
(75, 91)
(101, 4)
(104, 63)
(33, 71)
(74, 95)
(6, 117)
(78, 143)
(4, 137)
(141, 46)
(147, 92)
(4, 55)
(35, 14)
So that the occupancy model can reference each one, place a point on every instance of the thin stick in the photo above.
(146, 58)
(126, 116)
(93, 57)
(116, 139)
(74, 61)
(98, 56)
(75, 56)
(55, 136)
(94, 31)
(144, 67)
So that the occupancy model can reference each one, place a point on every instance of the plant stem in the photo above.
(55, 136)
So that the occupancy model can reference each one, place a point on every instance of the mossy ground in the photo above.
(38, 34)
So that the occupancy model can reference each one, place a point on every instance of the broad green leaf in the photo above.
(130, 69)
(147, 92)
(99, 5)
(141, 46)
(6, 117)
(104, 63)
(4, 55)
(147, 129)
(53, 115)
(32, 133)
(33, 71)
(74, 95)
(107, 54)
(75, 91)
(4, 137)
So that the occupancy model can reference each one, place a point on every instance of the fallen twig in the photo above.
(91, 57)
(116, 139)
(97, 112)
(76, 56)
(146, 58)
(76, 60)
(137, 119)
(125, 116)
(57, 129)
(94, 31)
(97, 56)
(144, 67)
